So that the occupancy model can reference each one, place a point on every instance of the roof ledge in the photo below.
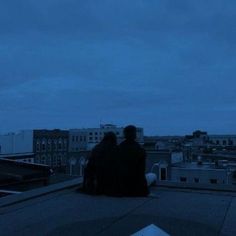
(24, 196)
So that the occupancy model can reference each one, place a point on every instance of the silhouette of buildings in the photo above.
(86, 139)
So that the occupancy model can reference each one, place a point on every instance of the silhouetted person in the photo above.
(132, 165)
(100, 172)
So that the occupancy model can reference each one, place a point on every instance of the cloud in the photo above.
(132, 61)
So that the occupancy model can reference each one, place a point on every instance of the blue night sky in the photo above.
(165, 65)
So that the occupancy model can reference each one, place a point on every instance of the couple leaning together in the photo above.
(117, 170)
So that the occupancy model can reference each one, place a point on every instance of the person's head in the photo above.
(110, 137)
(130, 132)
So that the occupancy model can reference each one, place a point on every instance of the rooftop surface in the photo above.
(67, 212)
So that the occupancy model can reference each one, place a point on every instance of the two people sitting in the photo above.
(117, 170)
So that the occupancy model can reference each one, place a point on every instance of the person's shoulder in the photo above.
(138, 145)
(140, 148)
(122, 144)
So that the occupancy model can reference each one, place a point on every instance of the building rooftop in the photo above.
(64, 211)
(195, 165)
(13, 173)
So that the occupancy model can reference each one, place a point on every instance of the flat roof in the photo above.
(195, 165)
(68, 212)
(27, 154)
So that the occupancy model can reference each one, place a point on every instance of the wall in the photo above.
(21, 142)
(204, 175)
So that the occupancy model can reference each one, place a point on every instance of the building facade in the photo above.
(51, 147)
(205, 173)
(14, 143)
(223, 140)
(86, 139)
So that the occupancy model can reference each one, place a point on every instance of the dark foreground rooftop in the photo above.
(67, 212)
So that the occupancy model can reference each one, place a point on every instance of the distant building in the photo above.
(20, 176)
(51, 147)
(162, 143)
(203, 173)
(222, 140)
(86, 139)
(159, 162)
(22, 157)
(20, 142)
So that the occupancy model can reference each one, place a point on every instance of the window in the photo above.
(224, 142)
(96, 133)
(213, 181)
(49, 160)
(217, 142)
(43, 159)
(37, 158)
(49, 145)
(90, 133)
(183, 179)
(55, 145)
(38, 146)
(43, 146)
(230, 142)
(65, 144)
(196, 180)
(90, 138)
(59, 144)
(163, 173)
(77, 138)
(54, 160)
(64, 160)
(59, 160)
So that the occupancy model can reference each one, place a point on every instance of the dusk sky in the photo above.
(165, 65)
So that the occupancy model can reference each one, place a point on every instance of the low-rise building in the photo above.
(19, 142)
(86, 139)
(221, 172)
(49, 146)
(223, 140)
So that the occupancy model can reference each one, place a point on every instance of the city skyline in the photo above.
(165, 66)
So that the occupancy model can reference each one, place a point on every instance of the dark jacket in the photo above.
(132, 169)
(100, 173)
